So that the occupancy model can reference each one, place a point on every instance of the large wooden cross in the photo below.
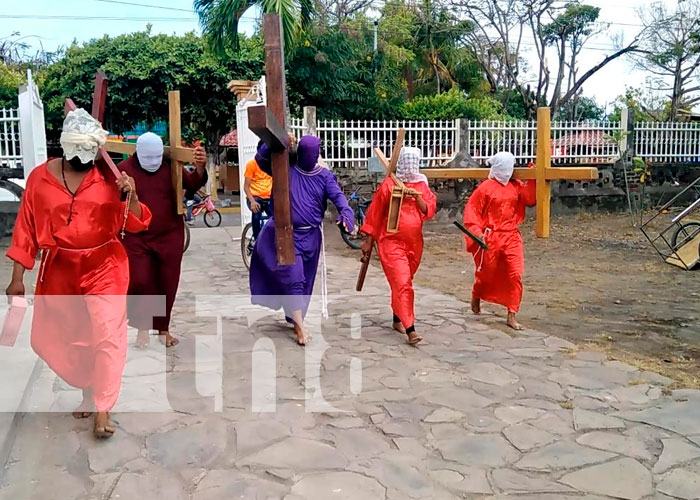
(543, 173)
(270, 124)
(177, 154)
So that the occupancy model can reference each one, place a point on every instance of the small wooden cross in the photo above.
(269, 123)
(399, 190)
(543, 173)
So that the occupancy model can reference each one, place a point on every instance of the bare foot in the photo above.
(143, 338)
(476, 305)
(168, 339)
(399, 328)
(103, 427)
(86, 406)
(414, 338)
(302, 337)
(513, 323)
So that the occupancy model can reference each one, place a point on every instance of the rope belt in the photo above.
(487, 231)
(47, 253)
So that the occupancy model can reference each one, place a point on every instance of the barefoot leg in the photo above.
(302, 337)
(168, 339)
(143, 339)
(476, 305)
(103, 427)
(86, 406)
(512, 322)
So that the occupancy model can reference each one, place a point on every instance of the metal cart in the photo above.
(677, 242)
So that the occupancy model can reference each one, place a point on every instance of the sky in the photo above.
(55, 23)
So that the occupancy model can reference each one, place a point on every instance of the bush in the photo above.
(452, 105)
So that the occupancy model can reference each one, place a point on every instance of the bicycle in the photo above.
(247, 239)
(212, 217)
(359, 205)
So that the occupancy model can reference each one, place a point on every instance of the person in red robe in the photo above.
(494, 211)
(400, 253)
(74, 214)
(155, 256)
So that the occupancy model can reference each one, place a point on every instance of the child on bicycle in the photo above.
(258, 189)
(192, 198)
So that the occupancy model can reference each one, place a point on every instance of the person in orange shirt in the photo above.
(258, 189)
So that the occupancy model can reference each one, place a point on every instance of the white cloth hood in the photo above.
(408, 166)
(502, 167)
(82, 135)
(149, 151)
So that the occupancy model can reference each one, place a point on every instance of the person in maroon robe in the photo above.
(155, 256)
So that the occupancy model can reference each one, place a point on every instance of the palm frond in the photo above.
(219, 20)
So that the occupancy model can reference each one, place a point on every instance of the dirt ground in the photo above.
(595, 281)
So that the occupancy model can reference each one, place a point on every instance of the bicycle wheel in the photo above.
(212, 219)
(187, 238)
(684, 233)
(355, 239)
(247, 244)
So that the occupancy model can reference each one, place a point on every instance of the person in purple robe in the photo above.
(290, 287)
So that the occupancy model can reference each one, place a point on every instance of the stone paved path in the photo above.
(475, 412)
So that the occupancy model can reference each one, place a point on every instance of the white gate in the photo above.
(33, 129)
(247, 140)
(10, 148)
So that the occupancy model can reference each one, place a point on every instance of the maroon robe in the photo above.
(155, 256)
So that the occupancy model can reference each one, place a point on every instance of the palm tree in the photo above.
(220, 18)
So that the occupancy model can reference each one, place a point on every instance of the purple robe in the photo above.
(311, 186)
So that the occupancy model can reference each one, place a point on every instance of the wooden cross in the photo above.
(397, 193)
(270, 124)
(177, 154)
(543, 173)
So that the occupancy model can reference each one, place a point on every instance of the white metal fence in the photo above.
(10, 150)
(592, 142)
(668, 142)
(351, 142)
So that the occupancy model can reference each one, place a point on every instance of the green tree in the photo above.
(426, 38)
(220, 19)
(334, 69)
(583, 108)
(142, 68)
(11, 78)
(568, 33)
(647, 106)
(451, 105)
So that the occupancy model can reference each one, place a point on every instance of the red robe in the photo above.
(400, 253)
(495, 211)
(79, 324)
(155, 256)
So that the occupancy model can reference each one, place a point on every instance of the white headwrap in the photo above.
(502, 167)
(82, 135)
(408, 167)
(149, 150)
